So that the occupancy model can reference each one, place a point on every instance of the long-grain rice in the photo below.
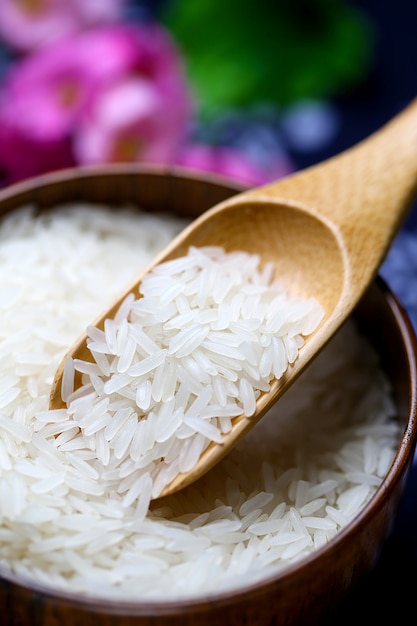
(77, 517)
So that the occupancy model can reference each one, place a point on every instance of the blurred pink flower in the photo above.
(232, 163)
(29, 24)
(130, 122)
(124, 82)
(45, 94)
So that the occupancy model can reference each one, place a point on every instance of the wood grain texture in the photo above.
(306, 593)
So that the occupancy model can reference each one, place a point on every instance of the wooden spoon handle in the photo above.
(363, 193)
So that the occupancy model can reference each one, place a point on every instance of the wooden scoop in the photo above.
(327, 229)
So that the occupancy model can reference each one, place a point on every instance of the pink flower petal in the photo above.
(22, 158)
(43, 95)
(30, 24)
(131, 121)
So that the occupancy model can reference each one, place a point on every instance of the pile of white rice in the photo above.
(66, 518)
(176, 365)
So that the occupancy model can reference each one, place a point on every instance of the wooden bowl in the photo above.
(305, 593)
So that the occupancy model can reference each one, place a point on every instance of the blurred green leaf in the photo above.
(238, 52)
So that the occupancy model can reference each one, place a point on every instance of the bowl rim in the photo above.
(117, 169)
